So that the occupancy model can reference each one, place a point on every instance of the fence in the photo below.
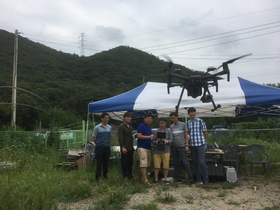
(76, 138)
(65, 139)
(57, 139)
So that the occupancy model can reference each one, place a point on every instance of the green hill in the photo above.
(68, 81)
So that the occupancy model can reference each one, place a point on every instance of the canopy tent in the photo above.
(239, 97)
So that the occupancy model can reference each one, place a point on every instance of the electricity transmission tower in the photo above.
(82, 41)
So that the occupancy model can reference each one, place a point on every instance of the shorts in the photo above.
(163, 158)
(144, 157)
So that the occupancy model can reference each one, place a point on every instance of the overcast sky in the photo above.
(196, 34)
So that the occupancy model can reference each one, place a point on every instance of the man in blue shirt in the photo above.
(101, 136)
(144, 135)
(198, 133)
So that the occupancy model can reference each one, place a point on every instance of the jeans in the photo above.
(198, 157)
(102, 155)
(177, 154)
(126, 163)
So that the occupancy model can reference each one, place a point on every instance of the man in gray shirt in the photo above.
(162, 150)
(180, 147)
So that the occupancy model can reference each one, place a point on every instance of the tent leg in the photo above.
(84, 162)
(177, 107)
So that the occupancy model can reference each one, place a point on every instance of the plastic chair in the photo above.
(231, 154)
(257, 154)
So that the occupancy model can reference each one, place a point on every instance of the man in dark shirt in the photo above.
(125, 139)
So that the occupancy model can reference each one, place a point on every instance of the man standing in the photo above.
(125, 139)
(162, 150)
(101, 136)
(198, 134)
(144, 135)
(180, 147)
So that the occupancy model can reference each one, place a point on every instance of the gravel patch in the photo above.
(243, 196)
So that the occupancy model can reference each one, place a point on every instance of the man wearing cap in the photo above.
(198, 133)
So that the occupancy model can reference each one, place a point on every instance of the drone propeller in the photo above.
(169, 72)
(232, 60)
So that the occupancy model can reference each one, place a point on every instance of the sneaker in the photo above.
(155, 182)
(198, 183)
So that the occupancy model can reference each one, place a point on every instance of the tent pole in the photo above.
(186, 115)
(84, 162)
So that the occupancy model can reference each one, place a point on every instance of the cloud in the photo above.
(109, 34)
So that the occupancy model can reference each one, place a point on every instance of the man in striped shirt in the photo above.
(198, 133)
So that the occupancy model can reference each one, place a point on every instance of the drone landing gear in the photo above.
(215, 106)
(210, 99)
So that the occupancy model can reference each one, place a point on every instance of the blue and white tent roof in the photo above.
(239, 97)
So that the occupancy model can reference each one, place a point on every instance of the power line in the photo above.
(234, 31)
(224, 42)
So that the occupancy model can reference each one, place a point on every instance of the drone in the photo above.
(198, 85)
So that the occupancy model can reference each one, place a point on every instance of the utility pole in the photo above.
(82, 43)
(14, 86)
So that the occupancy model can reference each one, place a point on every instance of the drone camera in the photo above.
(194, 91)
(206, 98)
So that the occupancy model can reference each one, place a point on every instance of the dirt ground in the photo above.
(251, 193)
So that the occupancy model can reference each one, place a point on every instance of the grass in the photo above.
(189, 199)
(229, 185)
(34, 183)
(43, 184)
(232, 202)
(167, 198)
(222, 193)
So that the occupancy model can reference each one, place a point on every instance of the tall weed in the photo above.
(34, 183)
